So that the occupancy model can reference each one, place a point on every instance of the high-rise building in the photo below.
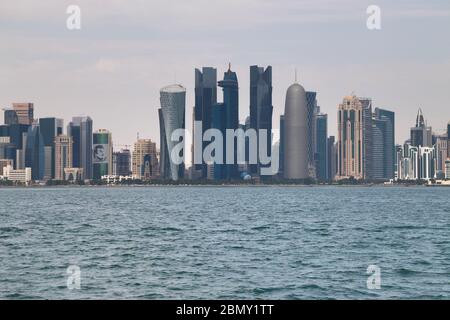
(332, 158)
(261, 107)
(35, 152)
(11, 117)
(383, 144)
(102, 154)
(441, 146)
(80, 130)
(226, 116)
(145, 161)
(173, 110)
(50, 129)
(63, 155)
(311, 103)
(355, 138)
(24, 112)
(205, 99)
(416, 163)
(296, 134)
(282, 146)
(321, 148)
(448, 138)
(421, 134)
(447, 169)
(122, 163)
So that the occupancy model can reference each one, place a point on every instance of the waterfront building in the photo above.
(296, 134)
(63, 155)
(173, 109)
(441, 146)
(448, 140)
(321, 148)
(4, 163)
(427, 164)
(447, 169)
(145, 161)
(24, 113)
(73, 174)
(355, 138)
(226, 116)
(21, 175)
(122, 163)
(261, 108)
(205, 99)
(102, 154)
(80, 130)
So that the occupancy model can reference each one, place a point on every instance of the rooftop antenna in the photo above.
(296, 80)
(138, 135)
(229, 66)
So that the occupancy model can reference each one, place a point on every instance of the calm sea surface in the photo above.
(225, 242)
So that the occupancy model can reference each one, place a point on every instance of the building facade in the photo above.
(173, 110)
(321, 148)
(102, 154)
(63, 155)
(122, 163)
(24, 112)
(145, 161)
(80, 130)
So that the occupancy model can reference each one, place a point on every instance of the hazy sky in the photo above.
(112, 69)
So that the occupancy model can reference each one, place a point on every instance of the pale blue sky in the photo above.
(112, 69)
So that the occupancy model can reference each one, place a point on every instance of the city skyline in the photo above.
(105, 70)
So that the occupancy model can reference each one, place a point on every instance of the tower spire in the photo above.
(229, 66)
(296, 80)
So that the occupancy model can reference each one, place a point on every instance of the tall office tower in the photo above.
(226, 116)
(4, 134)
(408, 162)
(447, 169)
(173, 110)
(122, 163)
(34, 152)
(383, 144)
(63, 155)
(261, 107)
(11, 117)
(421, 135)
(80, 129)
(282, 146)
(145, 160)
(50, 129)
(355, 138)
(102, 154)
(205, 99)
(321, 148)
(331, 145)
(311, 103)
(24, 112)
(164, 156)
(441, 146)
(296, 133)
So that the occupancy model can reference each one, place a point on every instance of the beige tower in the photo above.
(63, 155)
(24, 112)
(350, 138)
(145, 161)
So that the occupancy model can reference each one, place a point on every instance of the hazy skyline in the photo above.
(113, 68)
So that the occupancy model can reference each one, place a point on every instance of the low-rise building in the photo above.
(21, 175)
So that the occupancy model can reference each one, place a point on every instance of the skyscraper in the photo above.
(63, 155)
(173, 110)
(34, 152)
(80, 129)
(226, 116)
(205, 99)
(102, 153)
(311, 104)
(355, 138)
(282, 146)
(145, 162)
(321, 148)
(50, 129)
(261, 107)
(448, 138)
(421, 134)
(332, 158)
(383, 144)
(24, 112)
(296, 133)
